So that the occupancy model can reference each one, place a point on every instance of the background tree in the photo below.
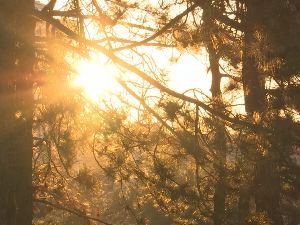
(16, 71)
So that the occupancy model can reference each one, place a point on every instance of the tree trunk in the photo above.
(219, 139)
(220, 146)
(16, 104)
(266, 175)
(243, 204)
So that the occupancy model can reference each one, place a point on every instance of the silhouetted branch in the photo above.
(143, 75)
(71, 211)
(162, 30)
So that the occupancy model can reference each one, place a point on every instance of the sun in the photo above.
(95, 80)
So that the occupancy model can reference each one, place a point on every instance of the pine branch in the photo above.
(143, 75)
(70, 211)
(162, 30)
(114, 39)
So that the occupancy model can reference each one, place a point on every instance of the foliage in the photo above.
(148, 154)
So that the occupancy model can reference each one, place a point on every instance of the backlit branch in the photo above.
(140, 73)
(123, 40)
(164, 29)
(71, 211)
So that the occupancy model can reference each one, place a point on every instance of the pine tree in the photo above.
(175, 152)
(16, 71)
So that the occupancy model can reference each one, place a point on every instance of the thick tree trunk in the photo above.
(267, 198)
(16, 104)
(252, 85)
(266, 175)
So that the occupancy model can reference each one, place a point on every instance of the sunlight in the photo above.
(95, 80)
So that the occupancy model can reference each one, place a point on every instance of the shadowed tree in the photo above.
(16, 100)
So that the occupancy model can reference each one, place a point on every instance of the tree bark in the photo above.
(266, 181)
(220, 142)
(243, 204)
(219, 197)
(16, 104)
